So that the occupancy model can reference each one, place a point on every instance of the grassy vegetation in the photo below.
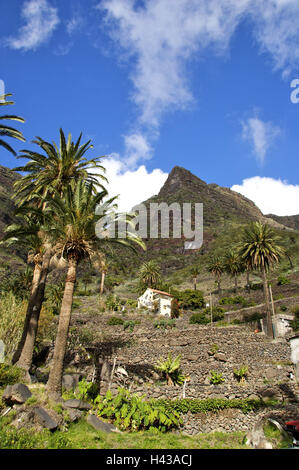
(82, 436)
(278, 440)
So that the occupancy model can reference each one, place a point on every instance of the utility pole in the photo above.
(273, 310)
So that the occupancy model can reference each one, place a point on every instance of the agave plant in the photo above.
(170, 370)
(241, 373)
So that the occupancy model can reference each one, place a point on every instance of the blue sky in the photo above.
(204, 84)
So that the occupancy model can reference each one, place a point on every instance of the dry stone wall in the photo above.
(202, 349)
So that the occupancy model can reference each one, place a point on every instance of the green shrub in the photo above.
(53, 297)
(241, 374)
(282, 280)
(238, 299)
(132, 413)
(189, 299)
(214, 348)
(236, 321)
(195, 405)
(175, 309)
(164, 324)
(295, 323)
(226, 301)
(115, 321)
(253, 317)
(257, 286)
(216, 377)
(112, 281)
(295, 310)
(19, 284)
(10, 375)
(129, 325)
(131, 303)
(113, 303)
(199, 318)
(248, 303)
(204, 317)
(217, 313)
(170, 370)
(87, 390)
(84, 293)
(12, 315)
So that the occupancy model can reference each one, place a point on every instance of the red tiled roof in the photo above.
(161, 292)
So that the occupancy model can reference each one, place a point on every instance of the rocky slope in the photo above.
(291, 221)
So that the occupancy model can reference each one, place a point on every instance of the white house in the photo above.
(156, 300)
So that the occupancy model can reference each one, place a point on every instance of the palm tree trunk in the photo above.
(195, 283)
(236, 282)
(54, 384)
(31, 303)
(102, 283)
(267, 302)
(25, 359)
(248, 279)
(290, 261)
(219, 285)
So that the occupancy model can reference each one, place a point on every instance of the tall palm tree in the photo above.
(77, 240)
(194, 273)
(48, 174)
(260, 248)
(216, 267)
(104, 270)
(56, 168)
(7, 131)
(35, 233)
(28, 234)
(149, 274)
(233, 265)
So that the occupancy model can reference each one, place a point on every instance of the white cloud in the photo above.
(272, 196)
(74, 24)
(261, 136)
(137, 148)
(40, 21)
(133, 186)
(277, 30)
(163, 35)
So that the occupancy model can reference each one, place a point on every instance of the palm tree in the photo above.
(7, 131)
(233, 265)
(149, 274)
(194, 273)
(48, 174)
(27, 234)
(104, 269)
(77, 240)
(216, 267)
(260, 248)
(99, 261)
(56, 168)
(34, 233)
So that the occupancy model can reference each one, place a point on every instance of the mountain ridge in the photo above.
(183, 186)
